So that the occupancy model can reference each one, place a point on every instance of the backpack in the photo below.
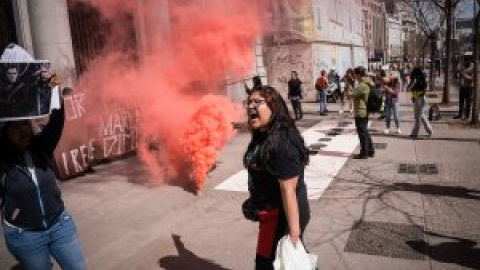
(321, 83)
(375, 100)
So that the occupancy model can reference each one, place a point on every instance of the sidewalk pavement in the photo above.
(387, 212)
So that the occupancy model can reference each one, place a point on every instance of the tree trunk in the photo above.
(476, 45)
(433, 49)
(424, 50)
(448, 51)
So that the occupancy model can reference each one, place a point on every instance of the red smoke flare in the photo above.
(187, 49)
(210, 128)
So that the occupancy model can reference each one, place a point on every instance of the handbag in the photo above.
(250, 209)
(290, 257)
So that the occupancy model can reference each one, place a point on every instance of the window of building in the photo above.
(90, 31)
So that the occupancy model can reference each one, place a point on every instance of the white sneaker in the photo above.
(399, 131)
(386, 131)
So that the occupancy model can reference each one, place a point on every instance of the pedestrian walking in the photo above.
(36, 224)
(360, 99)
(295, 95)
(391, 89)
(321, 86)
(418, 87)
(466, 92)
(349, 80)
(380, 75)
(275, 159)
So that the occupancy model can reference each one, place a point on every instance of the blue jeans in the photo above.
(391, 109)
(32, 249)
(323, 101)
(419, 107)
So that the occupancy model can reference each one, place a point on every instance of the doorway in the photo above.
(7, 24)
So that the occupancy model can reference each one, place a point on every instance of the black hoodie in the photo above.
(26, 205)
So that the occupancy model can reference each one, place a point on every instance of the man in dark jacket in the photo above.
(295, 95)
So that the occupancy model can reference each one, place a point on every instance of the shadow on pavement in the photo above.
(461, 251)
(186, 259)
(436, 190)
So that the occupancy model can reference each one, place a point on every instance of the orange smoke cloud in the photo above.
(209, 129)
(185, 58)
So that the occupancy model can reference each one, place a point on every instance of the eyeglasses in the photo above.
(255, 102)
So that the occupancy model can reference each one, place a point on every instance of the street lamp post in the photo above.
(476, 101)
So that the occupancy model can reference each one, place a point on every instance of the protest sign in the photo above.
(25, 90)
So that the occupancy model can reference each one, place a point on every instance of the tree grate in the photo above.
(387, 239)
(380, 146)
(418, 168)
(427, 169)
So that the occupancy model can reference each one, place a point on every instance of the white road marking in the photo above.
(323, 167)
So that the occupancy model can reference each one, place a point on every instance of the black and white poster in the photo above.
(25, 90)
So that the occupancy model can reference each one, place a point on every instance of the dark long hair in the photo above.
(280, 121)
(350, 77)
(419, 78)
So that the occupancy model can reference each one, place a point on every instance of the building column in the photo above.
(51, 37)
(153, 28)
(22, 25)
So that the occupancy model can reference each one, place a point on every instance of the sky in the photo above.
(467, 10)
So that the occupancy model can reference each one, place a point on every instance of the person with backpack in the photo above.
(321, 86)
(36, 224)
(361, 95)
(295, 95)
(418, 87)
(391, 88)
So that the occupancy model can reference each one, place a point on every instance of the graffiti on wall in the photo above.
(91, 137)
(283, 60)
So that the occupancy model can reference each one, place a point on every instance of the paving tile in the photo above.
(452, 216)
(386, 239)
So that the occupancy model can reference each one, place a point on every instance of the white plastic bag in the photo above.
(289, 257)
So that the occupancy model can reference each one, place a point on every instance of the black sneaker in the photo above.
(371, 154)
(360, 156)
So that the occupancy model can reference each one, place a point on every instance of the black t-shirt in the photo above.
(295, 88)
(286, 162)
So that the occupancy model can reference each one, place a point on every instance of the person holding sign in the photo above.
(36, 224)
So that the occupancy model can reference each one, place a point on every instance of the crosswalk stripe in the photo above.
(323, 167)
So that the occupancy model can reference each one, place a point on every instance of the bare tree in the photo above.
(430, 21)
(448, 8)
